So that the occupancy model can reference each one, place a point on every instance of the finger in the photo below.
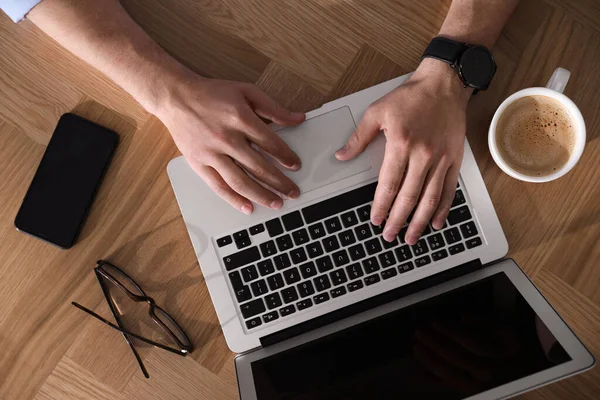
(367, 129)
(241, 183)
(268, 108)
(428, 203)
(265, 172)
(440, 214)
(390, 178)
(407, 198)
(222, 189)
(264, 137)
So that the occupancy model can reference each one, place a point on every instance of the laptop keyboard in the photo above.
(330, 249)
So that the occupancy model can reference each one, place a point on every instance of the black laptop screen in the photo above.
(452, 346)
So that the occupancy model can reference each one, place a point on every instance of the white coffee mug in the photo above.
(554, 89)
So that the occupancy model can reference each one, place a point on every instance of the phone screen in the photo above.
(66, 181)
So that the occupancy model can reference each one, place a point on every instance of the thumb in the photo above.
(268, 108)
(364, 133)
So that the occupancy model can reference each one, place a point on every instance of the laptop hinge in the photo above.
(372, 302)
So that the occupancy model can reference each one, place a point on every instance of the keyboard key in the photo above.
(331, 243)
(256, 229)
(340, 258)
(473, 242)
(302, 304)
(373, 246)
(292, 221)
(321, 298)
(300, 237)
(298, 255)
(274, 227)
(347, 238)
(459, 215)
(357, 252)
(342, 202)
(388, 245)
(352, 286)
(272, 316)
(240, 244)
(438, 255)
(324, 264)
(259, 288)
(419, 262)
(402, 268)
(338, 277)
(306, 289)
(268, 248)
(363, 231)
(289, 294)
(370, 265)
(314, 249)
(452, 235)
(273, 300)
(308, 270)
(282, 261)
(252, 308)
(349, 219)
(420, 248)
(316, 231)
(354, 271)
(459, 198)
(287, 310)
(322, 283)
(284, 242)
(388, 273)
(457, 248)
(402, 234)
(242, 294)
(241, 258)
(403, 253)
(291, 276)
(265, 267)
(240, 235)
(249, 273)
(387, 259)
(372, 279)
(275, 281)
(338, 291)
(236, 280)
(224, 241)
(468, 230)
(364, 213)
(435, 241)
(333, 225)
(377, 229)
(253, 323)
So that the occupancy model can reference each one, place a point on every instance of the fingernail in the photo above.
(376, 220)
(341, 151)
(276, 204)
(389, 236)
(296, 167)
(411, 239)
(294, 193)
(247, 209)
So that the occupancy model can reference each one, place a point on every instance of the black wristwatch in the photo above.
(474, 64)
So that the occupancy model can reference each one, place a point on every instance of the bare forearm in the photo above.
(102, 33)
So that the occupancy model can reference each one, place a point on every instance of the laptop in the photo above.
(319, 306)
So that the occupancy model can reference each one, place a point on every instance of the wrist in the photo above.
(442, 80)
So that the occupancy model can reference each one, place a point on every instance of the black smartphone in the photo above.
(66, 181)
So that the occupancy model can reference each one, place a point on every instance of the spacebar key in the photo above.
(240, 258)
(337, 204)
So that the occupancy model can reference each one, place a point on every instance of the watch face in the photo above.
(477, 67)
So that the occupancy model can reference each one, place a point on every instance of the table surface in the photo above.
(303, 54)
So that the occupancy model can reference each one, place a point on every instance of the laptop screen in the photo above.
(452, 346)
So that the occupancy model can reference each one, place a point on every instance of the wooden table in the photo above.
(303, 54)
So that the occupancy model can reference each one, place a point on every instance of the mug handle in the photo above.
(559, 79)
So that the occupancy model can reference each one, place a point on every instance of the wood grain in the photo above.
(303, 54)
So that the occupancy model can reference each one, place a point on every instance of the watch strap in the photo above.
(444, 49)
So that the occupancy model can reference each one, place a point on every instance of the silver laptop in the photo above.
(319, 306)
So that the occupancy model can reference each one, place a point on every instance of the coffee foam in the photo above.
(535, 135)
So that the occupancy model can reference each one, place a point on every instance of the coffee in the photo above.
(535, 135)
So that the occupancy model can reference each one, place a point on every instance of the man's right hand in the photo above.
(215, 124)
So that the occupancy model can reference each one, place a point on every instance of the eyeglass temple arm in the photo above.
(93, 314)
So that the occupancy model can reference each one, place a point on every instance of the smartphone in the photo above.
(66, 181)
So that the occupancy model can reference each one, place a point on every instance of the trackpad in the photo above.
(315, 142)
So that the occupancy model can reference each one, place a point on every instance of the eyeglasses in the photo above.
(123, 282)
